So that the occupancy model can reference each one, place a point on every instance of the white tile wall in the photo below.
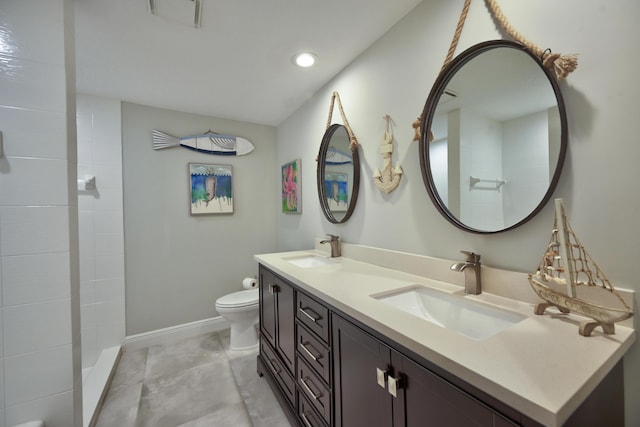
(110, 334)
(101, 226)
(36, 369)
(42, 45)
(108, 222)
(56, 409)
(35, 278)
(109, 266)
(35, 182)
(33, 229)
(110, 289)
(480, 157)
(48, 323)
(90, 352)
(36, 375)
(107, 244)
(34, 85)
(26, 131)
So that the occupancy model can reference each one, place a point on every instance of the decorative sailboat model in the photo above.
(569, 279)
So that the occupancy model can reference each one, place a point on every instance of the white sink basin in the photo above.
(308, 261)
(467, 317)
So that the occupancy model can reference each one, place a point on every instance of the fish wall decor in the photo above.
(209, 142)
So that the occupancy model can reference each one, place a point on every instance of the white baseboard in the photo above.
(175, 333)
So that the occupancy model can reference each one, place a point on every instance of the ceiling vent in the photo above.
(186, 12)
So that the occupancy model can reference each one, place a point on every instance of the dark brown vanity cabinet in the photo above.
(377, 386)
(277, 331)
(295, 350)
(276, 316)
(329, 370)
(314, 361)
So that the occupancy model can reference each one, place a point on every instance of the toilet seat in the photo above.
(246, 298)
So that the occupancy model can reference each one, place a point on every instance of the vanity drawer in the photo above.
(313, 351)
(314, 389)
(283, 378)
(307, 414)
(314, 315)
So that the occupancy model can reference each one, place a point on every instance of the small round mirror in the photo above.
(494, 138)
(338, 177)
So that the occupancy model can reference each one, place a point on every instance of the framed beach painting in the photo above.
(336, 185)
(291, 186)
(211, 189)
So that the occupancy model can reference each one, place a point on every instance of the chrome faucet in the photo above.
(471, 268)
(334, 241)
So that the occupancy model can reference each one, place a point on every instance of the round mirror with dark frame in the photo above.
(338, 176)
(494, 138)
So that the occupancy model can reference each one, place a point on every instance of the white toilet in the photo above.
(240, 309)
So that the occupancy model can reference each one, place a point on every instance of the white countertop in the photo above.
(540, 366)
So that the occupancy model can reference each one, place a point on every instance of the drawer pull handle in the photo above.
(312, 318)
(303, 345)
(303, 381)
(275, 369)
(303, 415)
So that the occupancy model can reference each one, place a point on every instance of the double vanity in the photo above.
(370, 337)
(382, 338)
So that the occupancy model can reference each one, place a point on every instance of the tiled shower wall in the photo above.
(39, 334)
(100, 221)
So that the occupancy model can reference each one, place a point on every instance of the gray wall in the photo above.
(177, 264)
(600, 176)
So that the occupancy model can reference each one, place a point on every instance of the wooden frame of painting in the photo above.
(211, 189)
(336, 185)
(291, 187)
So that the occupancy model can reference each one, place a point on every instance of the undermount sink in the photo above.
(467, 317)
(308, 261)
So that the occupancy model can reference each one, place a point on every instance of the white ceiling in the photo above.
(237, 65)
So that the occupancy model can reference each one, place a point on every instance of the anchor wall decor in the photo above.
(388, 179)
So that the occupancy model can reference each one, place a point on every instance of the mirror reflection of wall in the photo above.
(338, 174)
(497, 139)
(438, 155)
(515, 150)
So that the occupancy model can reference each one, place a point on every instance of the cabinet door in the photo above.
(285, 314)
(359, 400)
(267, 306)
(424, 399)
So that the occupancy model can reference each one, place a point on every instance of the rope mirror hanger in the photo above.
(562, 65)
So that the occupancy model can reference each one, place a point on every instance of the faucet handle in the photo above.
(470, 256)
(333, 237)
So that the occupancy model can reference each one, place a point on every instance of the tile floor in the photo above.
(196, 382)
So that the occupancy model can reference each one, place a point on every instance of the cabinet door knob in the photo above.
(273, 289)
(382, 377)
(395, 384)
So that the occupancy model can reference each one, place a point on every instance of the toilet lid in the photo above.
(239, 299)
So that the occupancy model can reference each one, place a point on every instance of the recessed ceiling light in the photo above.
(304, 59)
